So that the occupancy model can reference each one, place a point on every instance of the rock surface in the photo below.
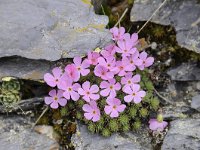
(83, 140)
(49, 29)
(16, 134)
(183, 135)
(183, 15)
(196, 102)
(185, 72)
(23, 68)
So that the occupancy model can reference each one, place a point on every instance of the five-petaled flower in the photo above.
(103, 72)
(71, 73)
(155, 125)
(55, 79)
(109, 88)
(70, 90)
(129, 79)
(55, 98)
(146, 61)
(81, 66)
(92, 111)
(89, 92)
(92, 58)
(134, 93)
(114, 107)
(118, 33)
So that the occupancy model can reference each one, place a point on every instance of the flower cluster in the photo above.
(114, 70)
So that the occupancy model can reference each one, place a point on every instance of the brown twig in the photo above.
(122, 16)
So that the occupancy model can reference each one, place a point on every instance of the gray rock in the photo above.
(196, 102)
(16, 134)
(183, 15)
(183, 135)
(23, 68)
(83, 140)
(185, 72)
(49, 29)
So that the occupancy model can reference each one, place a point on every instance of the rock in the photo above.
(183, 15)
(47, 131)
(196, 102)
(16, 134)
(183, 135)
(25, 105)
(49, 29)
(83, 140)
(185, 72)
(23, 68)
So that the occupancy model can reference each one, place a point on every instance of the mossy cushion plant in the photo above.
(110, 88)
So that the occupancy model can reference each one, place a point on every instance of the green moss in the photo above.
(123, 119)
(91, 127)
(106, 132)
(113, 125)
(144, 112)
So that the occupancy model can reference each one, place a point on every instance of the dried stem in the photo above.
(159, 95)
(44, 111)
(118, 22)
(152, 16)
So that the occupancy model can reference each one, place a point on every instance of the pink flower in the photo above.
(103, 72)
(117, 33)
(133, 38)
(109, 62)
(125, 47)
(155, 125)
(56, 97)
(89, 93)
(81, 66)
(108, 51)
(133, 60)
(134, 93)
(70, 90)
(122, 67)
(129, 80)
(110, 88)
(71, 73)
(55, 79)
(146, 61)
(114, 107)
(93, 58)
(92, 112)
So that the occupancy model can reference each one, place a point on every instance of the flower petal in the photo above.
(128, 98)
(74, 95)
(54, 105)
(62, 101)
(57, 72)
(48, 100)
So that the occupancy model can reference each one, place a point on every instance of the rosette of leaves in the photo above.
(10, 92)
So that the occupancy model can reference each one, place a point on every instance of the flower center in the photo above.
(129, 82)
(121, 67)
(131, 62)
(94, 112)
(69, 89)
(143, 62)
(103, 73)
(125, 50)
(111, 87)
(87, 92)
(56, 80)
(114, 107)
(79, 68)
(108, 65)
(55, 98)
(93, 60)
(133, 94)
